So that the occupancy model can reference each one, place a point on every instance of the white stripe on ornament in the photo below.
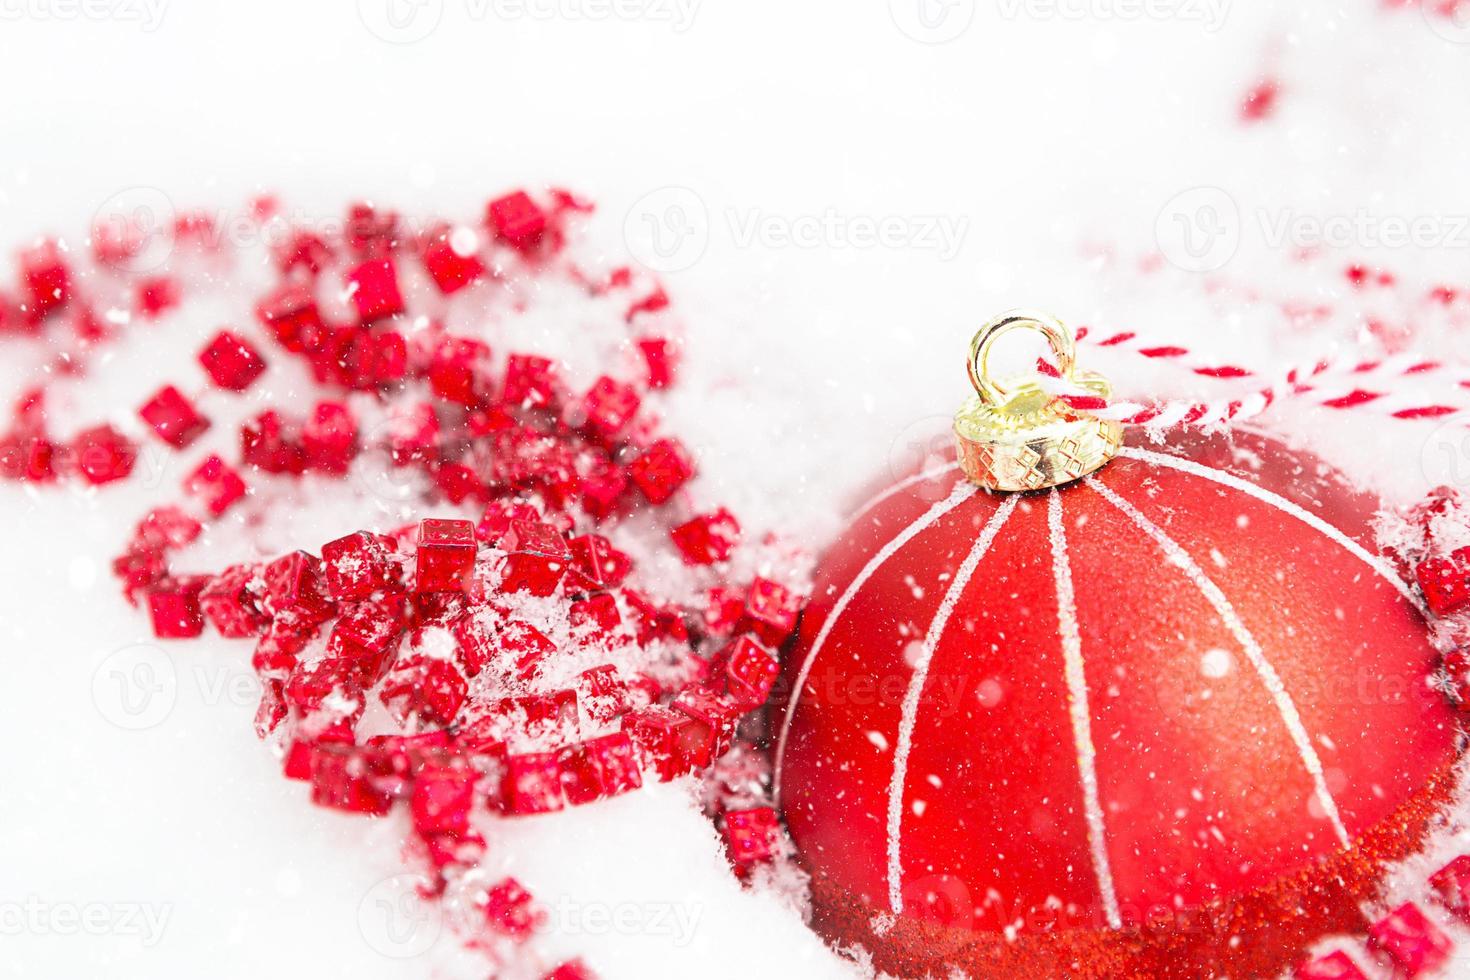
(1286, 506)
(963, 491)
(1076, 674)
(911, 697)
(1253, 651)
(901, 486)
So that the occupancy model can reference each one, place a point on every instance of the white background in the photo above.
(1036, 128)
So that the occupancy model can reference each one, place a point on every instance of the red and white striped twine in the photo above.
(1383, 386)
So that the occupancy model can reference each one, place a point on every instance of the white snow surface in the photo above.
(166, 844)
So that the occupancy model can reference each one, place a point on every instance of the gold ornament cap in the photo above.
(1016, 435)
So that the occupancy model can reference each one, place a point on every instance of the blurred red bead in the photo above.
(1336, 965)
(374, 289)
(355, 566)
(1451, 884)
(516, 220)
(571, 970)
(310, 685)
(661, 470)
(46, 279)
(609, 406)
(441, 800)
(457, 370)
(1446, 582)
(269, 443)
(329, 437)
(530, 382)
(657, 732)
(532, 784)
(1414, 944)
(597, 769)
(291, 315)
(603, 484)
(536, 558)
(413, 433)
(303, 250)
(231, 361)
(157, 295)
(660, 359)
(174, 609)
(27, 457)
(426, 688)
(342, 779)
(216, 485)
(173, 417)
(599, 611)
(101, 454)
(602, 693)
(451, 260)
(446, 555)
(708, 538)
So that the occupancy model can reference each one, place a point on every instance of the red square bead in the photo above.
(657, 732)
(751, 836)
(216, 484)
(598, 612)
(441, 800)
(413, 433)
(374, 288)
(329, 437)
(550, 717)
(426, 688)
(602, 693)
(355, 566)
(602, 486)
(102, 454)
(27, 457)
(1336, 965)
(271, 710)
(707, 538)
(291, 314)
(1452, 886)
(268, 442)
(451, 260)
(310, 685)
(167, 527)
(1407, 937)
(595, 564)
(342, 778)
(47, 280)
(157, 295)
(174, 608)
(772, 610)
(230, 602)
(231, 361)
(475, 634)
(446, 555)
(173, 417)
(516, 220)
(1446, 582)
(532, 784)
(599, 768)
(530, 382)
(609, 407)
(746, 671)
(700, 745)
(457, 370)
(303, 250)
(536, 558)
(294, 588)
(661, 470)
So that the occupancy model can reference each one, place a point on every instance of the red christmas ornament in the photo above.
(1168, 719)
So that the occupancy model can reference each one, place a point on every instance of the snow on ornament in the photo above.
(1072, 706)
